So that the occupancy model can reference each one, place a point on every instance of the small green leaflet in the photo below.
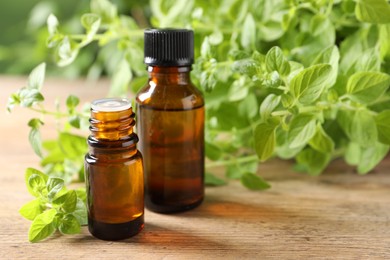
(212, 180)
(42, 226)
(359, 126)
(28, 97)
(213, 152)
(373, 11)
(371, 156)
(91, 23)
(319, 24)
(302, 129)
(254, 182)
(72, 145)
(268, 105)
(31, 209)
(30, 172)
(248, 33)
(238, 90)
(384, 36)
(330, 55)
(121, 79)
(307, 85)
(245, 66)
(321, 141)
(264, 137)
(383, 125)
(366, 87)
(36, 184)
(66, 52)
(35, 136)
(54, 185)
(104, 9)
(37, 77)
(312, 161)
(67, 201)
(81, 211)
(235, 171)
(52, 24)
(275, 61)
(69, 225)
(71, 102)
(353, 154)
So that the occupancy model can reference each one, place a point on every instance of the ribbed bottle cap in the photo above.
(169, 47)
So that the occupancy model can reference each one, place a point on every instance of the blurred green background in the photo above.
(24, 33)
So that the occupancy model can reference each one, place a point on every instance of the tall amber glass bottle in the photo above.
(114, 172)
(170, 110)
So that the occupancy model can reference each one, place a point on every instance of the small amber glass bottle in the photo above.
(171, 124)
(114, 172)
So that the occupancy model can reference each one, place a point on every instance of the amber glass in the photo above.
(114, 176)
(171, 129)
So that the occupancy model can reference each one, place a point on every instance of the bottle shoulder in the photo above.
(170, 96)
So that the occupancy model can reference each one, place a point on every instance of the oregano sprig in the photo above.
(54, 207)
(303, 80)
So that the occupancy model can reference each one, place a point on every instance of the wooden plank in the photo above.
(338, 215)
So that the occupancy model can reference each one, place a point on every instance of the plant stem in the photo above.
(46, 112)
(243, 159)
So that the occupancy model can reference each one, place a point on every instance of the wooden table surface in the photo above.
(338, 215)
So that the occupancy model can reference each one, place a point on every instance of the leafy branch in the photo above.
(303, 80)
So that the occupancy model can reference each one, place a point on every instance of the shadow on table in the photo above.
(162, 238)
(218, 207)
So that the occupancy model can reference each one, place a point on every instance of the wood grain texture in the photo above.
(338, 215)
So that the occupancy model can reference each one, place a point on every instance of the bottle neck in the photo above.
(112, 126)
(170, 75)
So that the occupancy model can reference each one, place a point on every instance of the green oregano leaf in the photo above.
(42, 226)
(307, 85)
(31, 209)
(254, 182)
(69, 225)
(312, 161)
(321, 141)
(268, 105)
(382, 121)
(52, 24)
(353, 154)
(301, 129)
(330, 55)
(36, 184)
(91, 23)
(104, 9)
(371, 156)
(246, 66)
(213, 152)
(37, 77)
(67, 202)
(366, 87)
(359, 126)
(35, 136)
(121, 79)
(71, 102)
(29, 96)
(65, 52)
(275, 61)
(373, 11)
(248, 32)
(28, 174)
(264, 137)
(212, 180)
(54, 185)
(81, 211)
